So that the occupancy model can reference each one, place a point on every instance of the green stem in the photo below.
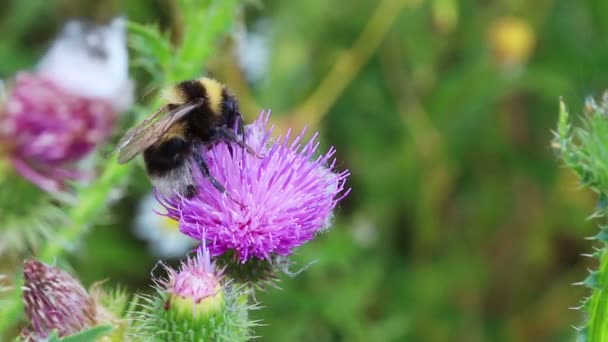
(94, 200)
(12, 310)
(597, 306)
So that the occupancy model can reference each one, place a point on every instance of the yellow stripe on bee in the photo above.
(174, 95)
(214, 93)
(178, 130)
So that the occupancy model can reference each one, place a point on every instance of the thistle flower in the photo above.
(276, 203)
(161, 232)
(195, 304)
(54, 300)
(59, 113)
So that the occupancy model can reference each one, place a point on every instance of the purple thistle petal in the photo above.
(288, 196)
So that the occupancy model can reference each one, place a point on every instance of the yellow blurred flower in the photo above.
(512, 41)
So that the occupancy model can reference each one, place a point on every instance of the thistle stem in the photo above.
(597, 327)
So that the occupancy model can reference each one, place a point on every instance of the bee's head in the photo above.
(230, 106)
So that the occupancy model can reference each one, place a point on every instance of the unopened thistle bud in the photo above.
(54, 300)
(195, 290)
(195, 303)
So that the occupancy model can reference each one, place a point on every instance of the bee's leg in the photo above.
(200, 161)
(227, 134)
(241, 127)
(206, 173)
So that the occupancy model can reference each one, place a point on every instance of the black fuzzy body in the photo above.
(169, 157)
(203, 120)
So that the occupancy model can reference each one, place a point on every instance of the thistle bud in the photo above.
(195, 303)
(54, 300)
(195, 290)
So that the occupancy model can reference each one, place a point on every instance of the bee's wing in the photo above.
(150, 131)
(128, 137)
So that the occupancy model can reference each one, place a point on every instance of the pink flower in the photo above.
(42, 127)
(56, 115)
(287, 196)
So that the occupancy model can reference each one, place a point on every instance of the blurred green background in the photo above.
(462, 225)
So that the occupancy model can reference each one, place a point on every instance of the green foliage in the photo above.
(27, 215)
(93, 334)
(585, 149)
(202, 24)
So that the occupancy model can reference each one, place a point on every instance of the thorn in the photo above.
(593, 281)
(590, 105)
(602, 235)
(605, 97)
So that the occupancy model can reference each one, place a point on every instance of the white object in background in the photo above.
(91, 61)
(162, 233)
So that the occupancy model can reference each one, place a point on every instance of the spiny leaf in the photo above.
(585, 150)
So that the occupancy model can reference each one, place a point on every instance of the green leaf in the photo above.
(92, 334)
(204, 24)
(153, 49)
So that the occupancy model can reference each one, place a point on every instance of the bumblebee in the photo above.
(198, 113)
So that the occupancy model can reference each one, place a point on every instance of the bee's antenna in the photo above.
(148, 92)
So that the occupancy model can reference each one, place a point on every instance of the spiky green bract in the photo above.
(113, 307)
(194, 303)
(257, 274)
(584, 149)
